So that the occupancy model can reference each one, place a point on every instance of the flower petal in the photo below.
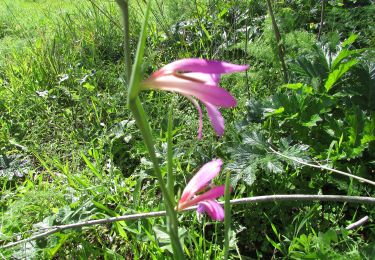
(209, 79)
(213, 193)
(212, 208)
(201, 179)
(206, 93)
(201, 65)
(196, 104)
(217, 120)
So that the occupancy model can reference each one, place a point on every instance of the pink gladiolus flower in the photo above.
(206, 201)
(197, 79)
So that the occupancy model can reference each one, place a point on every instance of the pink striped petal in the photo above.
(206, 93)
(209, 79)
(217, 120)
(211, 194)
(201, 65)
(201, 179)
(196, 104)
(212, 208)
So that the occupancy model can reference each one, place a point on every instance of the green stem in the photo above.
(170, 176)
(143, 125)
(124, 6)
(227, 216)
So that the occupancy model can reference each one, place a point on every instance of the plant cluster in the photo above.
(71, 150)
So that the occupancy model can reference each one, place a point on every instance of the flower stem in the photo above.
(124, 6)
(143, 125)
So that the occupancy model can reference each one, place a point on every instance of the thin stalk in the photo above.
(227, 216)
(143, 125)
(257, 199)
(324, 168)
(124, 6)
(170, 175)
(321, 20)
(140, 117)
(280, 45)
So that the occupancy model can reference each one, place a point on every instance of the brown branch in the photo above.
(321, 20)
(267, 198)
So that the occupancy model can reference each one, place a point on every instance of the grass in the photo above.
(70, 150)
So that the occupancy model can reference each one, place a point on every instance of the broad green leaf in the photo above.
(342, 55)
(335, 75)
(350, 40)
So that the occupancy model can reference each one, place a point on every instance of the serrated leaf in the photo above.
(248, 175)
(313, 120)
(272, 112)
(275, 166)
(335, 75)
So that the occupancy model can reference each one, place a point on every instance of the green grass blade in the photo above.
(227, 216)
(170, 175)
(136, 75)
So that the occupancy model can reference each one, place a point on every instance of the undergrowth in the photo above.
(70, 150)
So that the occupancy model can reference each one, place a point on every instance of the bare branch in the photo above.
(357, 223)
(257, 199)
(323, 167)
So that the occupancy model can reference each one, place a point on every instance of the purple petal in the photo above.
(206, 93)
(217, 120)
(196, 104)
(201, 179)
(201, 65)
(212, 208)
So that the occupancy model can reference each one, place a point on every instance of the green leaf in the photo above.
(350, 40)
(335, 75)
(294, 86)
(227, 216)
(275, 166)
(313, 120)
(275, 111)
(91, 167)
(135, 78)
(88, 86)
(248, 175)
(342, 55)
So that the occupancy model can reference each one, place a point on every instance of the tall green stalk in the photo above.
(124, 6)
(143, 125)
(140, 117)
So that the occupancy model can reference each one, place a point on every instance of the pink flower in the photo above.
(206, 201)
(198, 79)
